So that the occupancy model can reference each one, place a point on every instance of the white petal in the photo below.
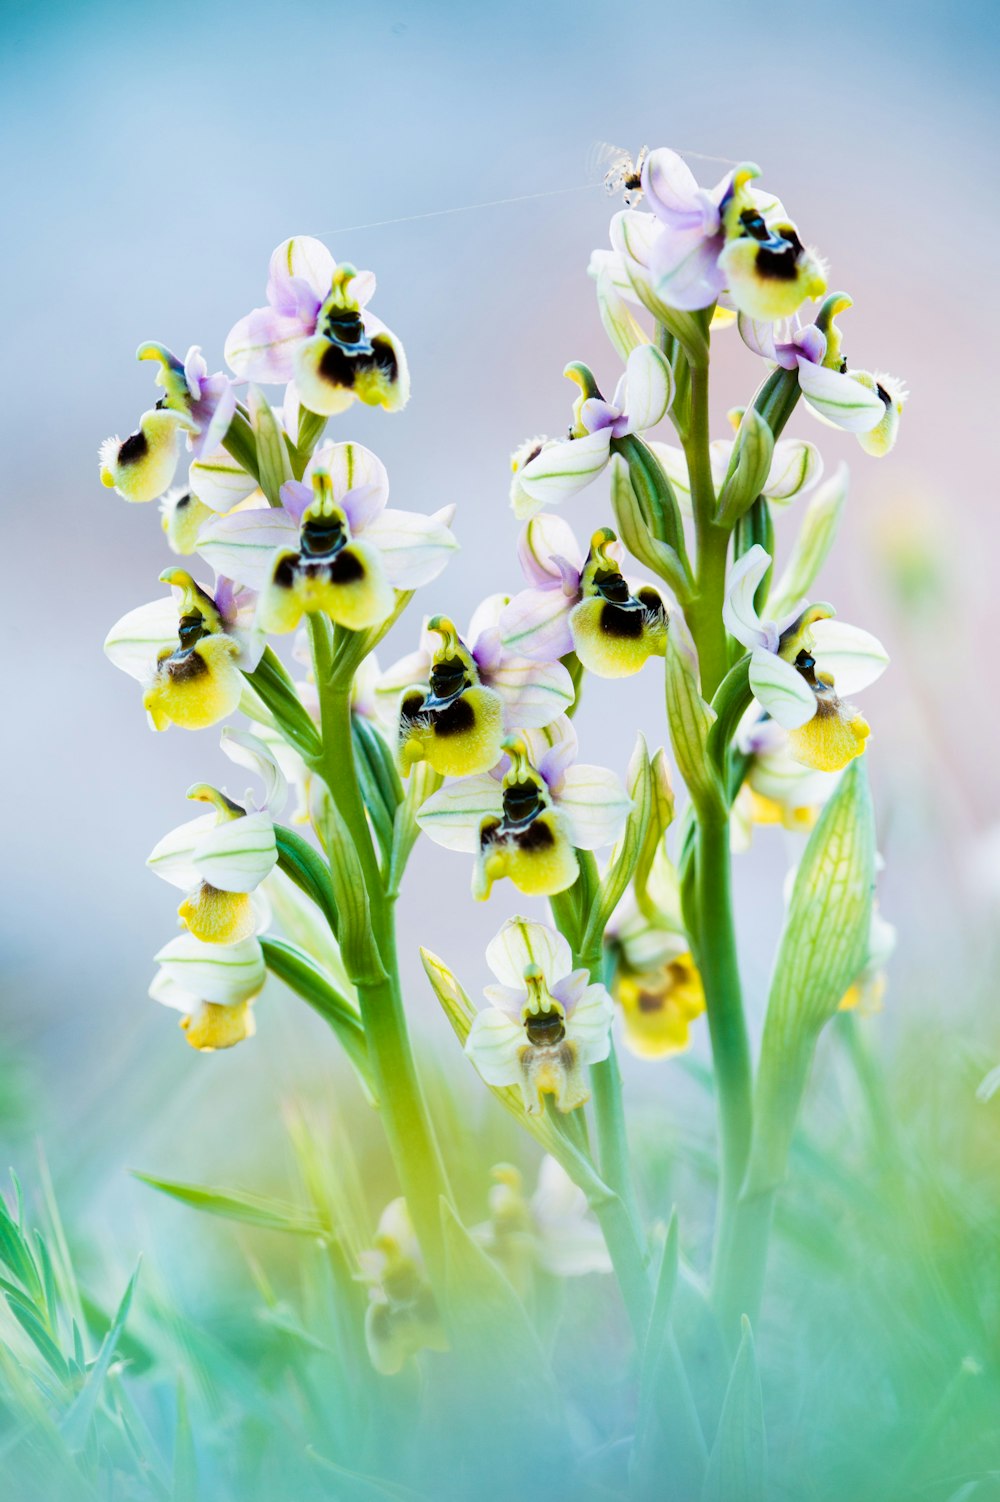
(521, 943)
(172, 857)
(738, 610)
(248, 751)
(223, 973)
(565, 468)
(134, 642)
(589, 1025)
(650, 387)
(168, 993)
(242, 545)
(452, 816)
(350, 466)
(845, 403)
(414, 668)
(304, 257)
(545, 538)
(595, 805)
(795, 466)
(781, 690)
(414, 548)
(485, 617)
(534, 693)
(536, 623)
(854, 657)
(235, 856)
(219, 482)
(494, 1044)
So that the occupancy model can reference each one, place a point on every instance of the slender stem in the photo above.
(704, 613)
(407, 1121)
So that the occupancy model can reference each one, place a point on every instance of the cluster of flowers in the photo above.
(484, 716)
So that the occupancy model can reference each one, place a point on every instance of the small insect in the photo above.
(620, 173)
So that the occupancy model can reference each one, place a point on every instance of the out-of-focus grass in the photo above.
(879, 1343)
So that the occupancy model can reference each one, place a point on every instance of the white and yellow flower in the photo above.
(213, 985)
(797, 665)
(220, 859)
(189, 651)
(546, 1021)
(527, 818)
(402, 1317)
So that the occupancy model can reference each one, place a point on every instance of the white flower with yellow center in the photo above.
(220, 859)
(797, 666)
(213, 985)
(546, 1021)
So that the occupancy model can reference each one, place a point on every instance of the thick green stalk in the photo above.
(714, 935)
(401, 1099)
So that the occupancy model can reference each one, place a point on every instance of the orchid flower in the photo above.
(778, 789)
(796, 466)
(546, 1021)
(189, 651)
(333, 545)
(858, 402)
(554, 1230)
(453, 701)
(559, 470)
(402, 1317)
(527, 818)
(581, 605)
(213, 985)
(699, 244)
(316, 331)
(795, 664)
(142, 467)
(220, 859)
(182, 516)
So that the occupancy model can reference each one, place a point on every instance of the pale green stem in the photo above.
(407, 1121)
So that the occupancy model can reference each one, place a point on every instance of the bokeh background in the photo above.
(153, 156)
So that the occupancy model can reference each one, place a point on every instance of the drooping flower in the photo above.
(560, 470)
(615, 630)
(316, 330)
(527, 819)
(220, 859)
(213, 985)
(189, 650)
(402, 1316)
(858, 402)
(141, 466)
(700, 244)
(778, 789)
(554, 1230)
(182, 517)
(333, 545)
(546, 1021)
(535, 622)
(454, 701)
(796, 665)
(206, 401)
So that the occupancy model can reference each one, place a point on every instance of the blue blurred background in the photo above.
(154, 155)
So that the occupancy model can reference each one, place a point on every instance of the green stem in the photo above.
(704, 612)
(719, 966)
(407, 1121)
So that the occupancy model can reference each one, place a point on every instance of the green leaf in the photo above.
(381, 788)
(300, 973)
(274, 687)
(748, 470)
(32, 1321)
(732, 699)
(76, 1424)
(251, 1209)
(626, 854)
(241, 444)
(737, 1466)
(822, 950)
(273, 464)
(811, 547)
(358, 948)
(184, 1486)
(307, 868)
(15, 1253)
(668, 1435)
(690, 720)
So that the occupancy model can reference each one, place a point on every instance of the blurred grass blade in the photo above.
(356, 1487)
(737, 1466)
(184, 1486)
(77, 1421)
(668, 1435)
(251, 1209)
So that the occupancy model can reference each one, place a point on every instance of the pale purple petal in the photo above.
(296, 495)
(414, 548)
(362, 505)
(596, 414)
(301, 270)
(242, 544)
(534, 693)
(674, 195)
(549, 553)
(261, 347)
(536, 624)
(684, 268)
(213, 412)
